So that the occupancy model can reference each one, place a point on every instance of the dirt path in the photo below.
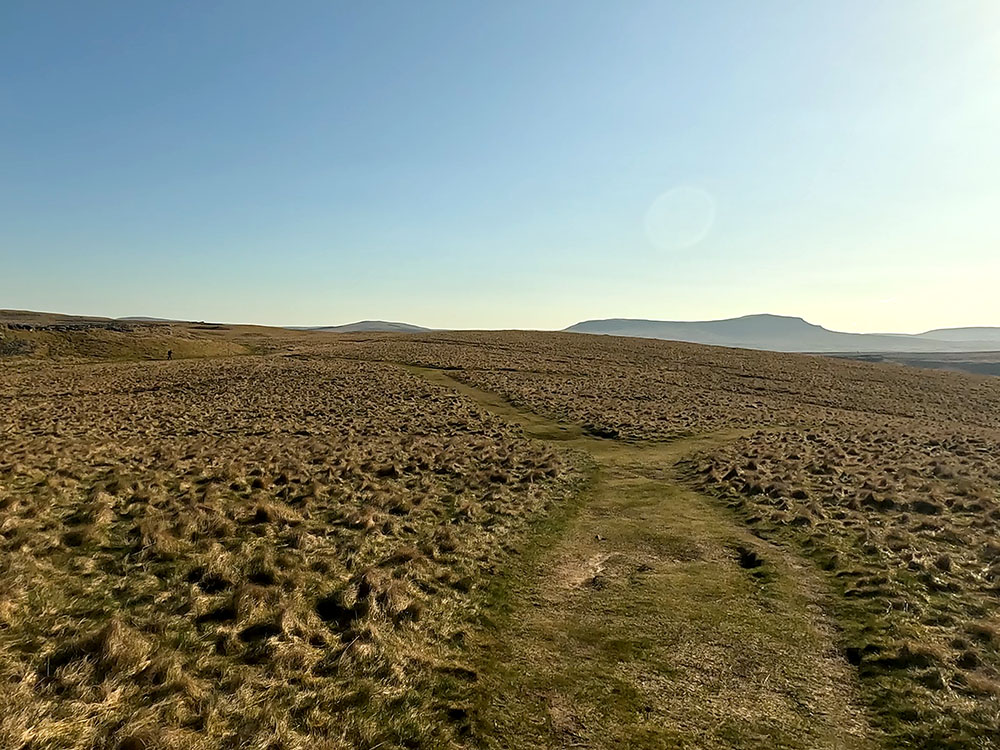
(655, 620)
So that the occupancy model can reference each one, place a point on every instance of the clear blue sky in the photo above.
(504, 164)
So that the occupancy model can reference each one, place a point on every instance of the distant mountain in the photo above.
(370, 326)
(977, 334)
(143, 319)
(787, 334)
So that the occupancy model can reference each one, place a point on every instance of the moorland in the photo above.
(285, 539)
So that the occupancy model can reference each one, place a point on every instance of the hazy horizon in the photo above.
(418, 324)
(528, 166)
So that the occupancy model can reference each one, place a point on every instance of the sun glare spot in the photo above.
(680, 218)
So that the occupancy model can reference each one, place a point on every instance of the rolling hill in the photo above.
(978, 335)
(789, 334)
(383, 326)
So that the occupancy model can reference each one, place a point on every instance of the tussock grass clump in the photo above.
(626, 388)
(291, 551)
(888, 477)
(247, 553)
(906, 521)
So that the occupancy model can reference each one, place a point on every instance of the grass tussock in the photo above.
(904, 519)
(290, 551)
(249, 553)
(887, 477)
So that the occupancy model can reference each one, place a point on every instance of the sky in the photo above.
(502, 165)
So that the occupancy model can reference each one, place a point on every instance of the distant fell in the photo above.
(790, 334)
(384, 326)
(978, 334)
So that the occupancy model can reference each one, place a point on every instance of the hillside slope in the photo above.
(370, 326)
(789, 334)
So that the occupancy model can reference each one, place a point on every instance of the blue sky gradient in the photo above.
(461, 164)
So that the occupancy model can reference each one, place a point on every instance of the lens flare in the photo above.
(680, 218)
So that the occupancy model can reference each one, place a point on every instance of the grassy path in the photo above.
(653, 619)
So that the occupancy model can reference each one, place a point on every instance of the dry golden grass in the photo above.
(291, 551)
(652, 390)
(248, 553)
(888, 477)
(46, 336)
(906, 520)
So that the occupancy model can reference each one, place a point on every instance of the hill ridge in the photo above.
(787, 333)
